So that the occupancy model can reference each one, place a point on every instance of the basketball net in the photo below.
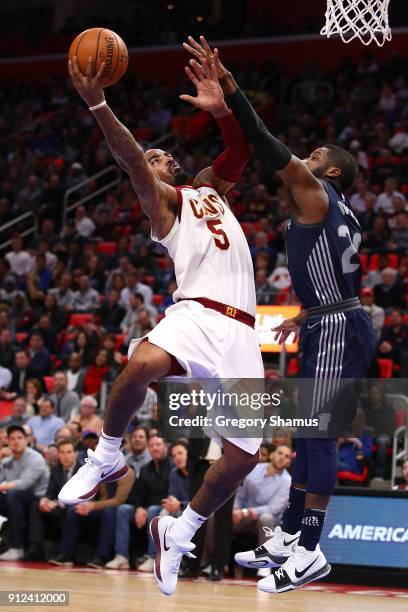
(363, 19)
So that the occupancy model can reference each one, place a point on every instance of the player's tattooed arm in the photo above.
(157, 199)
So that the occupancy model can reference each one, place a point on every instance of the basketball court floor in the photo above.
(118, 591)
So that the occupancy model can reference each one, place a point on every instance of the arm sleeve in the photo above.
(267, 147)
(231, 163)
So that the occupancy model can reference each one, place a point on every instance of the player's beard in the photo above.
(180, 178)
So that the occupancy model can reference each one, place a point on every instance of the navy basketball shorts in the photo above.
(336, 352)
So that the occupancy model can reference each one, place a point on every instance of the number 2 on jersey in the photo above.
(351, 250)
(220, 237)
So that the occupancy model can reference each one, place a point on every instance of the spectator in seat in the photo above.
(22, 371)
(65, 401)
(53, 311)
(376, 313)
(141, 326)
(97, 373)
(264, 292)
(48, 332)
(368, 216)
(354, 449)
(7, 351)
(390, 292)
(265, 450)
(262, 497)
(144, 503)
(111, 313)
(76, 432)
(83, 224)
(358, 200)
(403, 486)
(85, 299)
(20, 261)
(18, 414)
(75, 374)
(63, 294)
(375, 239)
(33, 395)
(380, 418)
(45, 425)
(147, 413)
(384, 200)
(47, 514)
(400, 206)
(399, 235)
(134, 285)
(40, 357)
(25, 477)
(5, 381)
(98, 514)
(178, 497)
(87, 417)
(138, 454)
(394, 337)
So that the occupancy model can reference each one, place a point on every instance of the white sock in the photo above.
(186, 525)
(108, 448)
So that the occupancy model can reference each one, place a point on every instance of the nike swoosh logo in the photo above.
(289, 543)
(312, 326)
(303, 572)
(166, 548)
(108, 472)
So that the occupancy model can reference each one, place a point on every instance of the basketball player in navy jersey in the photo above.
(323, 237)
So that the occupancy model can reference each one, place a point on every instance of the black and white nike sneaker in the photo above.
(302, 567)
(273, 553)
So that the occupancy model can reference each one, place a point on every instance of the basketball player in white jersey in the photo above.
(208, 333)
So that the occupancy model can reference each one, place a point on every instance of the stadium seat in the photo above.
(119, 340)
(293, 367)
(374, 262)
(350, 478)
(393, 259)
(400, 418)
(108, 248)
(21, 337)
(78, 319)
(364, 261)
(49, 383)
(158, 299)
(5, 409)
(386, 367)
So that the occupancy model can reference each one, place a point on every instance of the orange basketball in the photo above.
(102, 45)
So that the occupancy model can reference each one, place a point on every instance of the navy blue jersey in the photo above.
(323, 258)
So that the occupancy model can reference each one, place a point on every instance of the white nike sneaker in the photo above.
(302, 567)
(273, 553)
(84, 485)
(169, 554)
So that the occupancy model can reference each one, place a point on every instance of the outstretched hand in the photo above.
(202, 51)
(286, 328)
(209, 96)
(89, 85)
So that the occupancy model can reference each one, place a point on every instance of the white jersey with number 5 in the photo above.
(210, 252)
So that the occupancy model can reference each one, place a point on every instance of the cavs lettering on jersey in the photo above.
(209, 250)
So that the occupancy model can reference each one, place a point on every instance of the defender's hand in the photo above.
(209, 96)
(203, 51)
(287, 327)
(88, 86)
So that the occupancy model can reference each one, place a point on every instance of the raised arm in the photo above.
(228, 167)
(157, 199)
(307, 191)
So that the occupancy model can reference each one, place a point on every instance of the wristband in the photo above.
(245, 512)
(94, 108)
